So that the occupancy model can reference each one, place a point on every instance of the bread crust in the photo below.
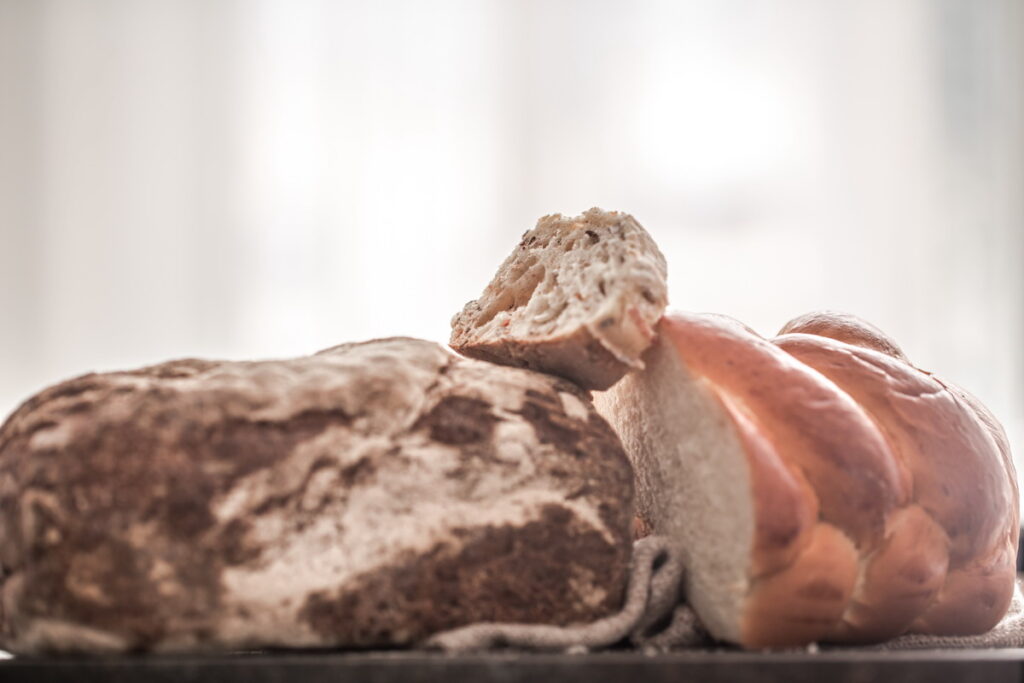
(947, 451)
(369, 495)
(579, 357)
(844, 327)
(799, 604)
(961, 481)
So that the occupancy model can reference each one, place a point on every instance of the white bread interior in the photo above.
(692, 479)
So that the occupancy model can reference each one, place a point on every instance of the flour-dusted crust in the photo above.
(369, 495)
(579, 298)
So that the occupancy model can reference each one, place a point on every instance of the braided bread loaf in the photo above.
(820, 487)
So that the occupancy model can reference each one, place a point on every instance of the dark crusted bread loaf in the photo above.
(579, 297)
(369, 495)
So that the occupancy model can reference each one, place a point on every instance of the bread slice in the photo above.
(579, 297)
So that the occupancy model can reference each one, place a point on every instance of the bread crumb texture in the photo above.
(578, 297)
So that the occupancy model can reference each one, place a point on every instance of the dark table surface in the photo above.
(836, 666)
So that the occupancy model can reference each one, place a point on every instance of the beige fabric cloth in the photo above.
(653, 618)
(1008, 633)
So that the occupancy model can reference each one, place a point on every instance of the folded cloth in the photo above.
(651, 610)
(654, 617)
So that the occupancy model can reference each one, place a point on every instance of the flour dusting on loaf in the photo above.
(368, 495)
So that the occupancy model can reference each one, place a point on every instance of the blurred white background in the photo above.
(267, 178)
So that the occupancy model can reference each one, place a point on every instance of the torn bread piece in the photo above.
(579, 297)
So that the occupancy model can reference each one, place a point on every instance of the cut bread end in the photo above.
(693, 480)
(579, 298)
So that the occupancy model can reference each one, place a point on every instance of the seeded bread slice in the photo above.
(579, 297)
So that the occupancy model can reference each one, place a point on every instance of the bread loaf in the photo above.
(820, 487)
(369, 495)
(579, 297)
